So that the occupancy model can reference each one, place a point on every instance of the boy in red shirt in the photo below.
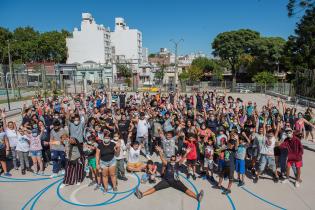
(191, 156)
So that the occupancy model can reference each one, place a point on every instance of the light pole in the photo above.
(10, 67)
(176, 43)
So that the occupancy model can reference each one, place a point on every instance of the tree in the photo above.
(124, 71)
(231, 45)
(5, 35)
(159, 75)
(264, 77)
(194, 73)
(297, 6)
(266, 53)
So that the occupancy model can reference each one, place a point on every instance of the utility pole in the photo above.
(10, 67)
(176, 43)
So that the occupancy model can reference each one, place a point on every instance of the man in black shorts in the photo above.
(170, 179)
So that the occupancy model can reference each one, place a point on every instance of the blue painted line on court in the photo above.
(39, 194)
(231, 201)
(262, 199)
(11, 179)
(194, 187)
(107, 202)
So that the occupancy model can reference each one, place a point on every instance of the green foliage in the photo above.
(124, 71)
(264, 77)
(297, 6)
(28, 45)
(152, 55)
(184, 76)
(231, 45)
(194, 73)
(159, 75)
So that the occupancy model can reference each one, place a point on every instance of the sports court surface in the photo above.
(40, 192)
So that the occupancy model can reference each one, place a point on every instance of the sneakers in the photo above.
(276, 179)
(78, 183)
(91, 183)
(62, 186)
(194, 177)
(138, 194)
(200, 195)
(226, 192)
(211, 178)
(297, 184)
(42, 173)
(7, 174)
(115, 189)
(285, 181)
(97, 187)
(256, 179)
(54, 175)
(62, 172)
(123, 178)
(30, 170)
(188, 176)
(241, 183)
(23, 172)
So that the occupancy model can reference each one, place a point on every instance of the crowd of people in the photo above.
(104, 135)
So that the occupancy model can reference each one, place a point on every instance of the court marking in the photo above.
(262, 199)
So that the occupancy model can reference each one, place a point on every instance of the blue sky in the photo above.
(196, 21)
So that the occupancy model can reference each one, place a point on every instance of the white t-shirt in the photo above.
(122, 152)
(12, 136)
(134, 155)
(23, 143)
(267, 148)
(142, 128)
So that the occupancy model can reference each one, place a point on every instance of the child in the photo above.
(228, 166)
(22, 148)
(89, 149)
(191, 156)
(208, 161)
(240, 155)
(150, 173)
(120, 160)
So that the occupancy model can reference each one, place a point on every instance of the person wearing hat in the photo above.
(295, 152)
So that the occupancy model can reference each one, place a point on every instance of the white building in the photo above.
(127, 42)
(145, 55)
(92, 43)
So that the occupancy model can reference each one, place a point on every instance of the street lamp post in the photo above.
(176, 43)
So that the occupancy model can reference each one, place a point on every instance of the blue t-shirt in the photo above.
(240, 152)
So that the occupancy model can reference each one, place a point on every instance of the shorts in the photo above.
(220, 165)
(267, 160)
(208, 163)
(107, 164)
(227, 171)
(36, 153)
(92, 163)
(276, 151)
(135, 165)
(308, 128)
(297, 164)
(240, 166)
(191, 162)
(176, 184)
(3, 156)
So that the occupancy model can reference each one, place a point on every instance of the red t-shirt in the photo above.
(192, 155)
